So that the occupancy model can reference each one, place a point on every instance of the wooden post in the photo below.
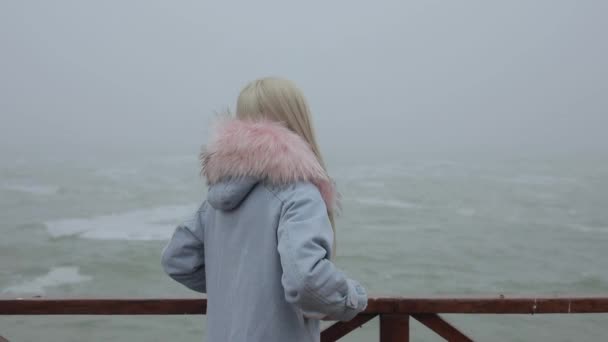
(442, 327)
(394, 328)
(339, 329)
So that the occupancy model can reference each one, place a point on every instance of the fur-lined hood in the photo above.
(263, 150)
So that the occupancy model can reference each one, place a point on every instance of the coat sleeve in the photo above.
(183, 258)
(311, 281)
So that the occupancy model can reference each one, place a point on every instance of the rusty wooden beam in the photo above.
(394, 328)
(40, 306)
(442, 327)
(158, 306)
(340, 329)
(500, 305)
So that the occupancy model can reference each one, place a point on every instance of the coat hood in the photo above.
(251, 151)
(228, 194)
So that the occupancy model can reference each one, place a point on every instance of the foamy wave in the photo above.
(372, 184)
(536, 180)
(146, 224)
(55, 277)
(179, 159)
(116, 173)
(33, 189)
(587, 229)
(376, 202)
(467, 212)
(363, 173)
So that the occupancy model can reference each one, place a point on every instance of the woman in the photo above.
(261, 245)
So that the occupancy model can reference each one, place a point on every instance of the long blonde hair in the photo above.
(281, 100)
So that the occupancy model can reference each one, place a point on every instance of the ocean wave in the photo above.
(389, 203)
(179, 159)
(116, 173)
(144, 224)
(467, 212)
(55, 277)
(372, 184)
(540, 180)
(33, 189)
(584, 282)
(587, 229)
(362, 173)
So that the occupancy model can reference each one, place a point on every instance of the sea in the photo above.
(410, 226)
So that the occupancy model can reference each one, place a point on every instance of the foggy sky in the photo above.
(396, 75)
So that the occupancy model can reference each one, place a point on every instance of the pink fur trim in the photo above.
(265, 150)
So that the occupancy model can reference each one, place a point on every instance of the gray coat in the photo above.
(260, 245)
(260, 252)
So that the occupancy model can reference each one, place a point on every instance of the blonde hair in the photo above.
(281, 100)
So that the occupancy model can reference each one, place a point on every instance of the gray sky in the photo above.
(412, 75)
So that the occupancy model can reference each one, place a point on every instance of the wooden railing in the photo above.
(394, 312)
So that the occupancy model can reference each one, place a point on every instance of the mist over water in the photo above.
(417, 76)
(468, 141)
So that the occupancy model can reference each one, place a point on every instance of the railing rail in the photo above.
(394, 312)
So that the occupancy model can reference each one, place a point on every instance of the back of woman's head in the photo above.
(279, 100)
(282, 101)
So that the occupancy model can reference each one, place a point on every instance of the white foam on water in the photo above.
(55, 277)
(179, 159)
(372, 184)
(33, 189)
(116, 173)
(467, 212)
(587, 229)
(542, 180)
(389, 203)
(375, 172)
(144, 224)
